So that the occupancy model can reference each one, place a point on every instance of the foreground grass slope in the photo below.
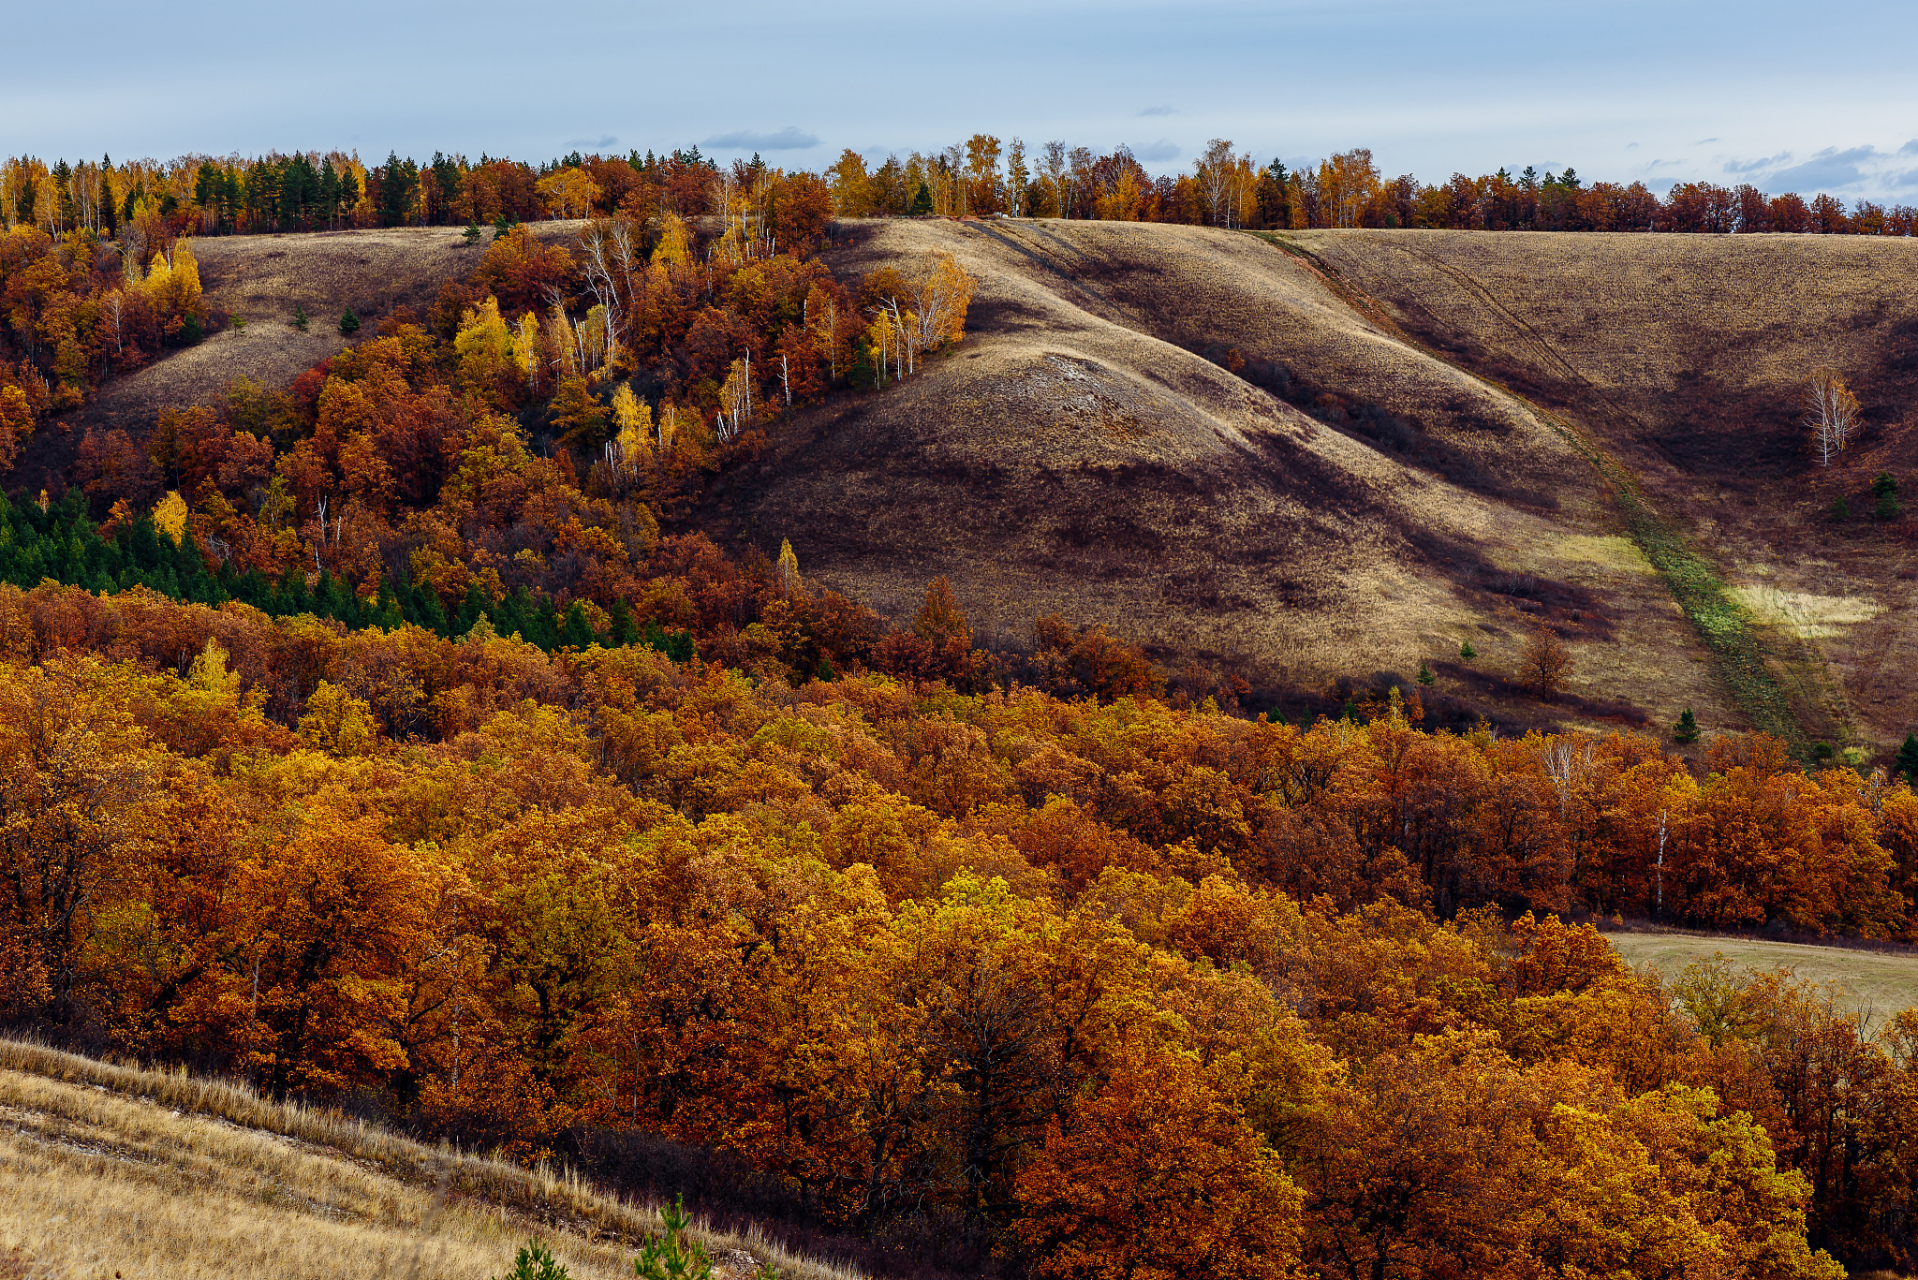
(113, 1172)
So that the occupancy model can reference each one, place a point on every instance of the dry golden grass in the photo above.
(111, 1171)
(1874, 984)
(1080, 453)
(1684, 357)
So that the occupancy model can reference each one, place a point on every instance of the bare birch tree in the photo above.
(1215, 173)
(1831, 411)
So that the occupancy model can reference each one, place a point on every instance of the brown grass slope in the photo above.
(1081, 453)
(1683, 357)
(113, 1172)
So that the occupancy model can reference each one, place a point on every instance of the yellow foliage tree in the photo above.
(337, 723)
(173, 281)
(169, 517)
(486, 347)
(675, 245)
(568, 193)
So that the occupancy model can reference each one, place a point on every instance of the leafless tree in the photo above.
(1831, 411)
(1215, 173)
(1545, 665)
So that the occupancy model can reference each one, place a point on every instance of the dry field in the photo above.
(110, 1172)
(1874, 984)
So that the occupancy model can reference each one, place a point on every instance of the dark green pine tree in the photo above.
(577, 631)
(542, 628)
(921, 201)
(1907, 761)
(1686, 730)
(430, 613)
(472, 609)
(624, 630)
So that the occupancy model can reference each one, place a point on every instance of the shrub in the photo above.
(1840, 511)
(536, 1262)
(671, 1256)
(1467, 651)
(1545, 665)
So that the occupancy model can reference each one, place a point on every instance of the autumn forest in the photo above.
(395, 740)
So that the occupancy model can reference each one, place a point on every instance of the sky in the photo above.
(1785, 96)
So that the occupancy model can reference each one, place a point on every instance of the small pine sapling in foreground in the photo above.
(1686, 730)
(1885, 489)
(671, 1256)
(239, 324)
(349, 323)
(472, 233)
(300, 317)
(1840, 511)
(1907, 760)
(1425, 676)
(1466, 651)
(536, 1262)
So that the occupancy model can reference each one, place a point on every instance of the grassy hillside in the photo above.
(1682, 358)
(1874, 983)
(113, 1172)
(1108, 443)
(264, 280)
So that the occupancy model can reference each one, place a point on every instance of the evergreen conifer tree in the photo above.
(576, 632)
(1907, 761)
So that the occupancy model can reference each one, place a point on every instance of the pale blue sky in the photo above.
(1783, 95)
